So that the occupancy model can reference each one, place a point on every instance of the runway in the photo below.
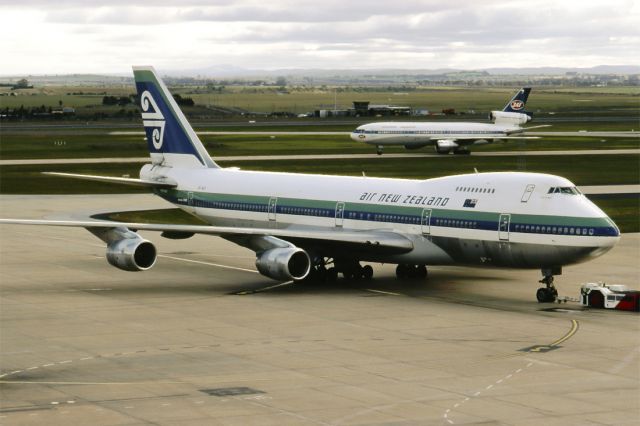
(203, 339)
(222, 159)
(599, 134)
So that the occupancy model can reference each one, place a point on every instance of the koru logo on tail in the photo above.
(152, 117)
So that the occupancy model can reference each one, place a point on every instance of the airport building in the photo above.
(364, 109)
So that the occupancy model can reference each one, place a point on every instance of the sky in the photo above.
(91, 36)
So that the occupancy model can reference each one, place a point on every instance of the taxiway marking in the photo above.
(200, 262)
(535, 349)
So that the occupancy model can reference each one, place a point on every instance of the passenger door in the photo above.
(425, 222)
(503, 227)
(190, 202)
(271, 209)
(339, 213)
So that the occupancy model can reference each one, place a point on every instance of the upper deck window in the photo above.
(572, 190)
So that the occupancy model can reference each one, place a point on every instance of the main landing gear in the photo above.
(350, 270)
(548, 294)
(405, 271)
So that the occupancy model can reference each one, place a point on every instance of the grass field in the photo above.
(581, 169)
(75, 144)
(623, 100)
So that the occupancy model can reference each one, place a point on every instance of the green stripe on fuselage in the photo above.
(471, 214)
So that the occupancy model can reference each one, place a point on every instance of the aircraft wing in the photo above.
(121, 180)
(370, 241)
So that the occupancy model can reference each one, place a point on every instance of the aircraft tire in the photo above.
(421, 272)
(332, 275)
(402, 272)
(367, 272)
(543, 295)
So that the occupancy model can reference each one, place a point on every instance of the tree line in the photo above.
(134, 99)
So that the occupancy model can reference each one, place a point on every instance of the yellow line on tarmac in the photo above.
(574, 330)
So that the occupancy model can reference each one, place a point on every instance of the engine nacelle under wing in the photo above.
(132, 254)
(444, 146)
(284, 263)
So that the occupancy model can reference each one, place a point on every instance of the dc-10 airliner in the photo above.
(449, 137)
(315, 226)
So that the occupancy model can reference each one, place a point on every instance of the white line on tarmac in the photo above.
(383, 292)
(208, 263)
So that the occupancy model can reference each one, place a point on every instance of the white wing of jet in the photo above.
(375, 242)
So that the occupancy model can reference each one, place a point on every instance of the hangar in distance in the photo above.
(303, 225)
(447, 137)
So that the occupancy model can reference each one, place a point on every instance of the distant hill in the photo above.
(232, 71)
(328, 76)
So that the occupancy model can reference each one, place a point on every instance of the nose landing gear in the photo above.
(379, 149)
(548, 294)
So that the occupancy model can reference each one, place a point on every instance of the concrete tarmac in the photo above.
(203, 339)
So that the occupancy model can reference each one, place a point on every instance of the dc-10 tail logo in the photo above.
(517, 104)
(153, 118)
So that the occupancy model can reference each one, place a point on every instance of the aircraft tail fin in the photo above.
(170, 138)
(518, 102)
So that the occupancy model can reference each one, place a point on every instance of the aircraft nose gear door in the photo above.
(339, 213)
(426, 221)
(503, 227)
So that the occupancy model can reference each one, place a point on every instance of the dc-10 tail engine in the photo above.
(126, 249)
(510, 118)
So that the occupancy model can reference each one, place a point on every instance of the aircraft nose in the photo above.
(357, 136)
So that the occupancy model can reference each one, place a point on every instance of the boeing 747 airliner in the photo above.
(449, 137)
(317, 226)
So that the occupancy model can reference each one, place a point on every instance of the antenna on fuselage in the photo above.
(475, 170)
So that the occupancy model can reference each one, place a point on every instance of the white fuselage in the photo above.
(408, 133)
(499, 219)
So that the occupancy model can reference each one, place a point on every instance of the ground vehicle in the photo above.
(614, 296)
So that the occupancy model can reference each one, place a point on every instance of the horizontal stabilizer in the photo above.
(536, 127)
(120, 180)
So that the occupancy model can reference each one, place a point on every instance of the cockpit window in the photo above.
(571, 190)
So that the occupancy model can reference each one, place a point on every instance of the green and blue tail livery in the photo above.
(170, 138)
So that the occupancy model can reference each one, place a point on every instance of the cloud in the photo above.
(328, 34)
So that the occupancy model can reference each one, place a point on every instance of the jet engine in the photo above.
(132, 254)
(284, 263)
(445, 146)
(511, 118)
